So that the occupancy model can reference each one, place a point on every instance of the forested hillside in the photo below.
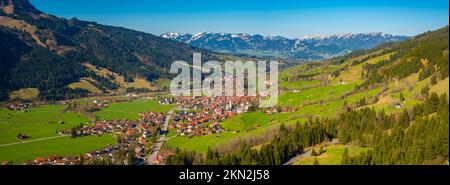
(412, 138)
(426, 53)
(46, 52)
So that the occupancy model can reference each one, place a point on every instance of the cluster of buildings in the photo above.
(166, 101)
(201, 115)
(54, 160)
(134, 136)
(275, 110)
(198, 116)
(19, 106)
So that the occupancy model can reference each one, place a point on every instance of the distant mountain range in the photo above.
(312, 47)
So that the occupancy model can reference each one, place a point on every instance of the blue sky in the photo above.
(289, 18)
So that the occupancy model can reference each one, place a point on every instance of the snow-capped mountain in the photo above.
(353, 41)
(310, 47)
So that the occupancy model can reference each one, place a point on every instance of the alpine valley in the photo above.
(75, 92)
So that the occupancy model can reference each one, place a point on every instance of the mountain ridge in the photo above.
(15, 6)
(50, 53)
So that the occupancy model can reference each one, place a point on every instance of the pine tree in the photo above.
(345, 157)
(316, 162)
(313, 152)
(402, 98)
(321, 150)
(73, 132)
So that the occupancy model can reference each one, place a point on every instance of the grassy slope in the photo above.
(118, 79)
(246, 121)
(25, 94)
(83, 84)
(332, 156)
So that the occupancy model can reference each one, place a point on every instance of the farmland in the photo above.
(62, 146)
(37, 122)
(41, 124)
(131, 110)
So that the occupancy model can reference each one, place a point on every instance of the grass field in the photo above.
(201, 144)
(25, 94)
(37, 123)
(246, 121)
(332, 156)
(43, 122)
(141, 83)
(441, 87)
(58, 146)
(314, 95)
(118, 79)
(83, 84)
(131, 110)
(298, 85)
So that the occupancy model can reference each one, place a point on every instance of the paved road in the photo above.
(298, 157)
(29, 141)
(152, 158)
(309, 152)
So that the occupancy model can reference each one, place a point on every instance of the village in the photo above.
(131, 136)
(197, 116)
(194, 117)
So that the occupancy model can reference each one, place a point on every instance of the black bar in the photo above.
(277, 174)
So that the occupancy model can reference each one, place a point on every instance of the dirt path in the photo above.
(30, 141)
(308, 152)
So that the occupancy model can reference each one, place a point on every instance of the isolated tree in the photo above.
(73, 132)
(321, 150)
(345, 157)
(283, 130)
(130, 157)
(316, 162)
(81, 160)
(433, 80)
(362, 102)
(402, 98)
(313, 152)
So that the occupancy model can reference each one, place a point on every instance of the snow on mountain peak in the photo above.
(199, 35)
(171, 35)
(345, 36)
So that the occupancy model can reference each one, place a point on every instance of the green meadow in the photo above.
(313, 95)
(332, 155)
(131, 110)
(63, 146)
(37, 122)
(201, 144)
(245, 124)
(41, 125)
(246, 121)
